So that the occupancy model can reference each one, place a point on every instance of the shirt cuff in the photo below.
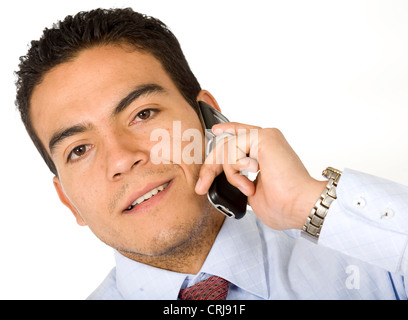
(369, 221)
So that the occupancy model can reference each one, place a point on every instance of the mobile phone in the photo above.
(222, 195)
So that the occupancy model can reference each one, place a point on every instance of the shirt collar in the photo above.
(236, 256)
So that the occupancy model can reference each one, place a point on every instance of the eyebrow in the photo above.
(62, 134)
(135, 94)
(142, 90)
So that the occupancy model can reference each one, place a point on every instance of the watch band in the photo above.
(314, 222)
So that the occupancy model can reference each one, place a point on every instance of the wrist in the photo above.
(307, 200)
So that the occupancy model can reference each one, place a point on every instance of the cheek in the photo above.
(83, 205)
(86, 199)
(187, 151)
(187, 143)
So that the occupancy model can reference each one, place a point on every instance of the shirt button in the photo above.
(387, 213)
(359, 203)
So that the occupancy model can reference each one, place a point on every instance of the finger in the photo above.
(209, 170)
(215, 162)
(235, 160)
(246, 164)
(227, 153)
(213, 166)
(232, 127)
(241, 146)
(239, 180)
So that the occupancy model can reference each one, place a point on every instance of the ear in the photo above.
(64, 199)
(208, 98)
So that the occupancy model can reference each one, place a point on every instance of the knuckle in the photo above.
(274, 133)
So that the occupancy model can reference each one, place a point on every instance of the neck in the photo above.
(188, 256)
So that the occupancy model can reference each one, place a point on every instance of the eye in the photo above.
(144, 115)
(78, 152)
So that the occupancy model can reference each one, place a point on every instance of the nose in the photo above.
(122, 156)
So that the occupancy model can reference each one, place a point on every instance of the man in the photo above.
(92, 92)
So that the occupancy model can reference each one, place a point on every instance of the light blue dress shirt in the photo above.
(362, 254)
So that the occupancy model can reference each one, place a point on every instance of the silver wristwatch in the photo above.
(313, 225)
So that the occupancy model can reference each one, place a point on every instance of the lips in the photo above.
(144, 195)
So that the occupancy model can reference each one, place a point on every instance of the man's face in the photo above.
(95, 115)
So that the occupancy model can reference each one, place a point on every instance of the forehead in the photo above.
(99, 77)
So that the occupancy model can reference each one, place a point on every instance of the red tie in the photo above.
(214, 288)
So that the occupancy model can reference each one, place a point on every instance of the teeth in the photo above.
(149, 194)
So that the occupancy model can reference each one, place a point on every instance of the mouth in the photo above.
(147, 197)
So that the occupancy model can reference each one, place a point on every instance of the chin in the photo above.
(185, 237)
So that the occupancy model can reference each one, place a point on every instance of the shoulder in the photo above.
(107, 290)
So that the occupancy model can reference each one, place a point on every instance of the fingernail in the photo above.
(244, 161)
(242, 190)
(217, 131)
(198, 185)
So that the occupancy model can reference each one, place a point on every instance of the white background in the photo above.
(332, 75)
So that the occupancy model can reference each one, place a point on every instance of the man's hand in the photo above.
(283, 193)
